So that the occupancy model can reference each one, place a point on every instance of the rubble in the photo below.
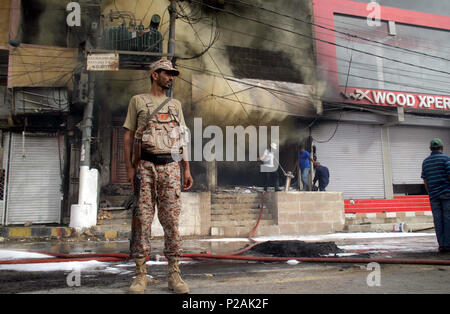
(295, 248)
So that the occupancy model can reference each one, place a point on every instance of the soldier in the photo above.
(154, 174)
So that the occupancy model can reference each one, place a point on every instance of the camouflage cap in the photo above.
(163, 65)
(436, 143)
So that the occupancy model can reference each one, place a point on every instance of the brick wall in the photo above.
(306, 213)
(195, 217)
(299, 213)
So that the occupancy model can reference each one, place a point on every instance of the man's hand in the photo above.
(188, 180)
(131, 172)
(128, 140)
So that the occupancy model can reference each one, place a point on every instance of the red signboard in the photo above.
(324, 11)
(395, 99)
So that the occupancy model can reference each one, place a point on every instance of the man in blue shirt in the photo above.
(436, 177)
(322, 175)
(304, 158)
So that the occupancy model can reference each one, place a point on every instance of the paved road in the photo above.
(245, 278)
(208, 277)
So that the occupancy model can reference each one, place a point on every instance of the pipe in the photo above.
(60, 260)
(113, 257)
(261, 208)
(323, 259)
(109, 257)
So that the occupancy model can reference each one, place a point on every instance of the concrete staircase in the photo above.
(383, 214)
(354, 223)
(236, 214)
(114, 217)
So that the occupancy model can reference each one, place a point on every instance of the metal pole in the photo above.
(171, 43)
(85, 159)
(173, 16)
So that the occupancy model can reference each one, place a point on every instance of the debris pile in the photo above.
(295, 248)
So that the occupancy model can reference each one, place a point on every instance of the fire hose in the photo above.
(117, 257)
(106, 257)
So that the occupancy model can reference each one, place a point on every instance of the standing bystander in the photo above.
(304, 166)
(436, 177)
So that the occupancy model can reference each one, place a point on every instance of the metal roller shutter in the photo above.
(4, 175)
(353, 156)
(34, 183)
(409, 146)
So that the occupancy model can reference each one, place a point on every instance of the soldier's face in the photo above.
(164, 79)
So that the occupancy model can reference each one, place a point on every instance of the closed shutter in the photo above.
(354, 157)
(34, 184)
(118, 168)
(4, 175)
(409, 146)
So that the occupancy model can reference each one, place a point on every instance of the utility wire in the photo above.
(339, 32)
(218, 68)
(351, 75)
(395, 72)
(386, 69)
(378, 31)
(317, 39)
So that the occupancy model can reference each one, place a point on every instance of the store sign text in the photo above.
(386, 98)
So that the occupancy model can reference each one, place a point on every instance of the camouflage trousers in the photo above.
(159, 185)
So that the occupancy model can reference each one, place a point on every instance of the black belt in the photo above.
(161, 159)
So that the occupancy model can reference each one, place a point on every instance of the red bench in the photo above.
(398, 204)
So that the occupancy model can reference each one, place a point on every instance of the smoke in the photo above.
(241, 32)
(39, 18)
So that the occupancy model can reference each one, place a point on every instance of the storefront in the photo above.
(386, 68)
(33, 166)
(373, 161)
(353, 154)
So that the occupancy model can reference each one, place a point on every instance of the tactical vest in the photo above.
(160, 134)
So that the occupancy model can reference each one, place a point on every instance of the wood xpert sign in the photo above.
(384, 53)
(396, 99)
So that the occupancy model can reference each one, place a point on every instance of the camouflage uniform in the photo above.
(159, 185)
(156, 186)
(158, 180)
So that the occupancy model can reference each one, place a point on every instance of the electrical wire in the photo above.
(337, 31)
(331, 71)
(319, 53)
(317, 39)
(218, 68)
(333, 23)
(213, 39)
(377, 80)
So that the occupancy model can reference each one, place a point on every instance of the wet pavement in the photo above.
(384, 243)
(237, 277)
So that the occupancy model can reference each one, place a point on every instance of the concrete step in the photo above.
(113, 227)
(235, 196)
(113, 200)
(416, 219)
(386, 227)
(245, 211)
(241, 223)
(231, 217)
(114, 214)
(237, 205)
(118, 222)
(237, 231)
